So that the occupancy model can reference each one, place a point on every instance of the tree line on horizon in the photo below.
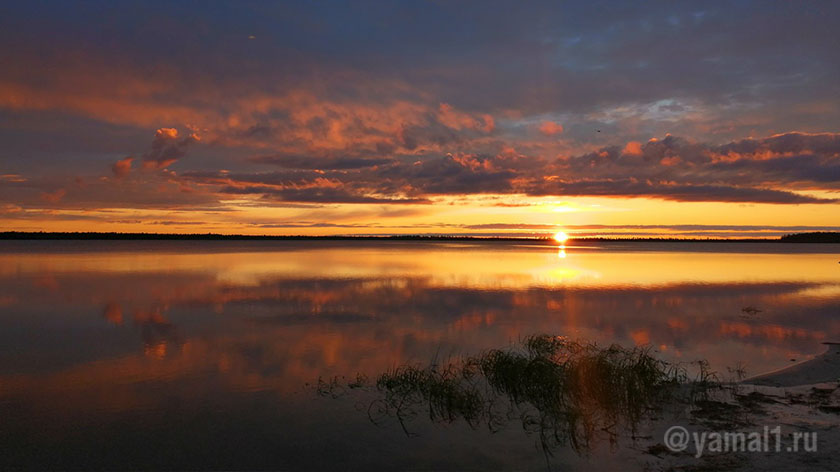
(813, 237)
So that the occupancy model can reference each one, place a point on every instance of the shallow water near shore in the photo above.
(158, 354)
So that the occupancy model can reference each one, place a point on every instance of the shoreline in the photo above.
(801, 238)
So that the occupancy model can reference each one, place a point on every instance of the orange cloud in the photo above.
(670, 161)
(15, 178)
(297, 119)
(122, 167)
(53, 197)
(550, 128)
(452, 118)
(164, 133)
(633, 148)
(86, 93)
(489, 123)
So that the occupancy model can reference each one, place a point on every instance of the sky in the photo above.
(685, 119)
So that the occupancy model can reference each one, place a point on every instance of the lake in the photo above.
(191, 355)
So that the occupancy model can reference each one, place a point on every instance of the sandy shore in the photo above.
(783, 407)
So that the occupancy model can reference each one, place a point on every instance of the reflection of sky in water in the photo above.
(129, 338)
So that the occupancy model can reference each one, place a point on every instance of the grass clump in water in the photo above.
(566, 392)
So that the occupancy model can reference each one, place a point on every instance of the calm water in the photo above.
(198, 354)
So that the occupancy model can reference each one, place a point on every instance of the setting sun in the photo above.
(561, 237)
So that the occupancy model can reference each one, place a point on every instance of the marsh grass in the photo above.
(565, 392)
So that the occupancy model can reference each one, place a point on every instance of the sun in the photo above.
(561, 237)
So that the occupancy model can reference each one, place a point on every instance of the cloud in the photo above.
(300, 129)
(14, 178)
(304, 186)
(638, 72)
(452, 118)
(53, 197)
(307, 162)
(8, 209)
(672, 168)
(167, 148)
(550, 128)
(453, 174)
(633, 148)
(150, 190)
(791, 168)
(776, 169)
(122, 167)
(320, 195)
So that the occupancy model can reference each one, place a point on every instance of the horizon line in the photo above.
(819, 236)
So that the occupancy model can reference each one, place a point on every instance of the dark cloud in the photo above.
(795, 143)
(151, 190)
(320, 195)
(122, 167)
(167, 148)
(309, 225)
(307, 162)
(54, 196)
(463, 174)
(769, 170)
(777, 170)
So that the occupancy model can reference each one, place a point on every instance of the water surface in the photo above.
(187, 354)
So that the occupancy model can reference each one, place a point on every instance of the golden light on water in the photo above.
(561, 237)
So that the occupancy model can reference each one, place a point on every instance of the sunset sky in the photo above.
(689, 119)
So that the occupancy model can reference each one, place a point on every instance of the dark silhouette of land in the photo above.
(819, 237)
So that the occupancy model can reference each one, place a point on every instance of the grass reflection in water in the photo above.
(566, 392)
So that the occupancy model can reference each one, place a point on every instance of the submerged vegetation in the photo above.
(565, 392)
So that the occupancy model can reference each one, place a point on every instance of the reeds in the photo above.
(566, 392)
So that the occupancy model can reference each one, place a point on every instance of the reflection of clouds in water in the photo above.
(678, 315)
(276, 331)
(158, 332)
(113, 313)
(46, 281)
(279, 335)
(681, 319)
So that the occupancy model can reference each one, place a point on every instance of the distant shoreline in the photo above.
(820, 237)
